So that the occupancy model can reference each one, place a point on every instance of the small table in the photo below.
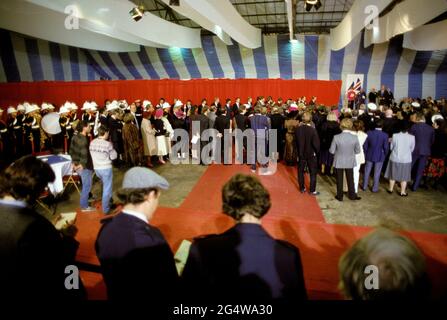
(61, 165)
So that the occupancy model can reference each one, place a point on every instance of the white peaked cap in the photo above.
(73, 106)
(45, 106)
(93, 104)
(67, 104)
(20, 107)
(166, 105)
(50, 123)
(113, 106)
(433, 119)
(64, 109)
(178, 103)
(11, 110)
(86, 106)
(416, 104)
(146, 103)
(372, 106)
(30, 108)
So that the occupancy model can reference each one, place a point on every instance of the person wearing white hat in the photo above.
(15, 125)
(45, 108)
(32, 129)
(89, 114)
(66, 128)
(73, 116)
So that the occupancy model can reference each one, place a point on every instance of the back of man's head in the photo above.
(102, 130)
(387, 260)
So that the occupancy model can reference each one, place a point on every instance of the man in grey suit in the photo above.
(344, 147)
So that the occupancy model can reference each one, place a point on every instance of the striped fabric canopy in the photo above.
(406, 72)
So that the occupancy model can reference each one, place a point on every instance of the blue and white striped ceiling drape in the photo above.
(406, 72)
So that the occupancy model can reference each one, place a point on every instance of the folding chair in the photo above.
(72, 179)
(42, 204)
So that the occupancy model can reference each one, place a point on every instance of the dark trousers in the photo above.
(377, 170)
(349, 179)
(418, 166)
(312, 165)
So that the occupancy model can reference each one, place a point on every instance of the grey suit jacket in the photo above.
(344, 147)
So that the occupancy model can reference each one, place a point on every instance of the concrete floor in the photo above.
(424, 210)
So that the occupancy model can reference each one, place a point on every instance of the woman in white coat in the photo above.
(149, 140)
(359, 130)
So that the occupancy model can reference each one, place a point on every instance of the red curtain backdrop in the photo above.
(327, 92)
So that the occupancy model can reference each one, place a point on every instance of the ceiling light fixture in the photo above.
(137, 12)
(309, 4)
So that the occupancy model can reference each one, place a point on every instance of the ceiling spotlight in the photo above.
(137, 13)
(309, 4)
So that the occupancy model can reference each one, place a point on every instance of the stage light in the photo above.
(174, 3)
(137, 13)
(309, 4)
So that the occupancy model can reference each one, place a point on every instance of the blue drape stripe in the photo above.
(32, 50)
(392, 61)
(236, 60)
(211, 57)
(74, 64)
(311, 57)
(144, 58)
(8, 58)
(56, 61)
(364, 61)
(190, 63)
(167, 63)
(262, 71)
(125, 58)
(415, 76)
(109, 63)
(285, 57)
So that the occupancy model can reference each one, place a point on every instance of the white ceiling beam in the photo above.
(224, 15)
(35, 21)
(111, 17)
(202, 20)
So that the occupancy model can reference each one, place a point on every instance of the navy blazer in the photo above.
(376, 146)
(136, 260)
(425, 137)
(244, 263)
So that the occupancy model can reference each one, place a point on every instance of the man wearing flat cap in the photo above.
(135, 258)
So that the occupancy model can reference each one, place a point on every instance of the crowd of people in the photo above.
(243, 264)
(404, 141)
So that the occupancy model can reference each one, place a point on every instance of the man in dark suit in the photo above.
(33, 254)
(261, 125)
(372, 96)
(376, 149)
(240, 122)
(308, 146)
(236, 106)
(244, 263)
(135, 258)
(199, 123)
(221, 124)
(425, 137)
(344, 147)
(277, 120)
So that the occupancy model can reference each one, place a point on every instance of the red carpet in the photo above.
(321, 244)
(287, 201)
